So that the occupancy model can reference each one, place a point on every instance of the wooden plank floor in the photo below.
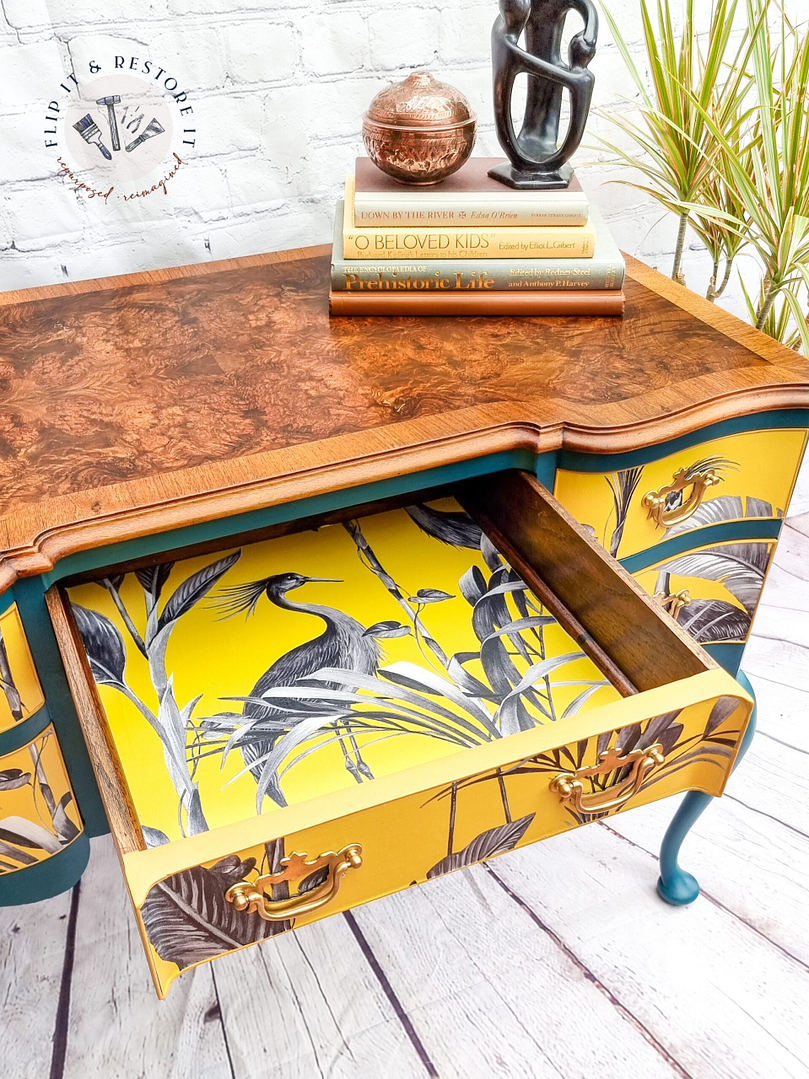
(556, 961)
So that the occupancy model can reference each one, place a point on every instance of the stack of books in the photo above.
(470, 246)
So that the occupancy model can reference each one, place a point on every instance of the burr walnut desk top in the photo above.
(138, 404)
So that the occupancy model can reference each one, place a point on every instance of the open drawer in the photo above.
(344, 707)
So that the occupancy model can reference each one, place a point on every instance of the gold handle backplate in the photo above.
(674, 601)
(570, 785)
(250, 896)
(699, 482)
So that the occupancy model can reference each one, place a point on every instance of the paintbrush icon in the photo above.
(153, 128)
(90, 132)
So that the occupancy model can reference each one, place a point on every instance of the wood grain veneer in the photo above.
(634, 642)
(140, 404)
(109, 772)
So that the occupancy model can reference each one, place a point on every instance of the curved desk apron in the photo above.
(190, 408)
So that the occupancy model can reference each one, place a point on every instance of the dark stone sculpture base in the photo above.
(531, 180)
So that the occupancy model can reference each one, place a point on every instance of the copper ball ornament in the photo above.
(419, 131)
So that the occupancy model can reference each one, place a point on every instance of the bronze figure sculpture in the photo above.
(535, 159)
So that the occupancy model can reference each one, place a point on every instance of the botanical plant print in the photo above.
(38, 815)
(624, 485)
(739, 567)
(680, 750)
(308, 662)
(188, 918)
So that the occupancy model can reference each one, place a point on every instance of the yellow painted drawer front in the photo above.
(408, 830)
(722, 584)
(21, 694)
(38, 813)
(754, 473)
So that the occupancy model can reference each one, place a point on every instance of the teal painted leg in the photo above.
(675, 885)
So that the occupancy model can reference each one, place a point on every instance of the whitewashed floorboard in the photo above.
(492, 994)
(308, 1005)
(32, 952)
(116, 1025)
(724, 1002)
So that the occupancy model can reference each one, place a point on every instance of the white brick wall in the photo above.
(278, 87)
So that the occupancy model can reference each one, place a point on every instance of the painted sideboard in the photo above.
(186, 438)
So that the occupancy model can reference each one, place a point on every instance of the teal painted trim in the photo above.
(288, 511)
(48, 662)
(46, 879)
(675, 885)
(545, 468)
(728, 656)
(6, 600)
(576, 461)
(750, 528)
(24, 732)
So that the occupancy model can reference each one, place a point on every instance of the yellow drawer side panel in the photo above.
(38, 813)
(757, 465)
(21, 694)
(723, 583)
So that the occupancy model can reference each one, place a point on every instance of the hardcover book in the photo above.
(468, 197)
(506, 242)
(604, 271)
(576, 304)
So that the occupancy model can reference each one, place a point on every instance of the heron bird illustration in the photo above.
(344, 644)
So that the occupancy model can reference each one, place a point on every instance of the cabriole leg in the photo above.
(674, 884)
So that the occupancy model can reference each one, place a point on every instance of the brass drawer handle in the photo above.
(250, 897)
(674, 601)
(570, 785)
(655, 501)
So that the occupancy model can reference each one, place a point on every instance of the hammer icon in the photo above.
(111, 102)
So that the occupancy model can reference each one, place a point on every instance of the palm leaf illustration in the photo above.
(188, 919)
(740, 567)
(725, 508)
(710, 621)
(622, 485)
(103, 644)
(456, 529)
(486, 845)
(7, 683)
(13, 778)
(192, 590)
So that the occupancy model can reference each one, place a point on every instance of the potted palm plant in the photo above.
(722, 141)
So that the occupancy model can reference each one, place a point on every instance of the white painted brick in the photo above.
(259, 233)
(227, 123)
(270, 162)
(21, 269)
(100, 50)
(202, 190)
(193, 56)
(255, 181)
(403, 36)
(23, 14)
(43, 211)
(333, 43)
(222, 7)
(81, 12)
(466, 33)
(261, 52)
(22, 150)
(30, 73)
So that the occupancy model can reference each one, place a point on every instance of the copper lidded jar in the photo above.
(419, 131)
